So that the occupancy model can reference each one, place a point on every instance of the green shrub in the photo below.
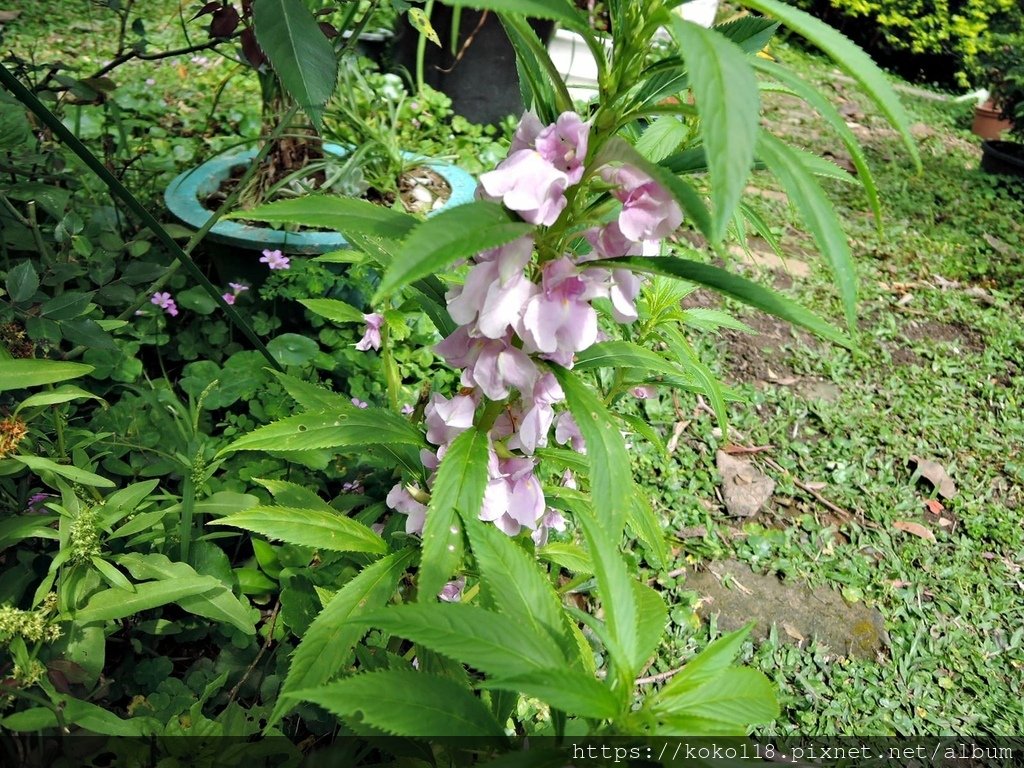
(937, 40)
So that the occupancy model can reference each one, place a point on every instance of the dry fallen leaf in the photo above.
(744, 488)
(934, 506)
(792, 631)
(914, 528)
(935, 474)
(738, 450)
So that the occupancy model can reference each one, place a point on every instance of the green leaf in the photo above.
(567, 555)
(293, 349)
(498, 645)
(225, 503)
(516, 585)
(453, 234)
(850, 58)
(99, 720)
(22, 282)
(334, 310)
(116, 604)
(406, 703)
(313, 397)
(738, 288)
(751, 33)
(728, 103)
(708, 664)
(331, 429)
(610, 473)
(294, 495)
(824, 107)
(653, 618)
(28, 720)
(347, 215)
(647, 527)
(64, 394)
(308, 528)
(20, 374)
(618, 151)
(458, 491)
(662, 137)
(74, 474)
(818, 213)
(327, 646)
(734, 695)
(299, 52)
(219, 603)
(623, 354)
(569, 690)
(111, 575)
(67, 306)
(14, 529)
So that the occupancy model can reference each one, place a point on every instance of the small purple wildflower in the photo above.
(275, 259)
(163, 300)
(359, 403)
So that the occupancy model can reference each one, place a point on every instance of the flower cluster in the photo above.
(517, 313)
(236, 290)
(165, 301)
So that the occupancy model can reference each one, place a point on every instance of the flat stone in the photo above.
(737, 595)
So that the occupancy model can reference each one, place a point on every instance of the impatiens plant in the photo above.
(540, 294)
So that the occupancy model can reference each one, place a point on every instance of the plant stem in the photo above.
(394, 383)
(421, 49)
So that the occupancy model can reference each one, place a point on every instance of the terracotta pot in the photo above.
(987, 123)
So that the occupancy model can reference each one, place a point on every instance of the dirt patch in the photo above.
(904, 356)
(737, 595)
(963, 337)
(761, 357)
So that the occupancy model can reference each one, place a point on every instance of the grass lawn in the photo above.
(937, 375)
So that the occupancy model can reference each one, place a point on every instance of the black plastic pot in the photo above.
(484, 84)
(1003, 157)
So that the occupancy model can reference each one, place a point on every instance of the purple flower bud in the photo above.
(401, 500)
(371, 338)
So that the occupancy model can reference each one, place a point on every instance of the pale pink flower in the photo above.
(493, 365)
(275, 259)
(514, 498)
(558, 321)
(447, 419)
(567, 431)
(401, 500)
(564, 145)
(238, 288)
(649, 212)
(644, 392)
(371, 337)
(538, 414)
(528, 184)
(163, 300)
(452, 591)
(359, 403)
(229, 298)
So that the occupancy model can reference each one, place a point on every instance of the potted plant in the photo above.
(1004, 67)
(297, 61)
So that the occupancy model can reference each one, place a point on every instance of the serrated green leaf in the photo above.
(498, 645)
(623, 354)
(572, 691)
(299, 52)
(334, 310)
(850, 58)
(453, 234)
(330, 429)
(610, 473)
(567, 555)
(819, 215)
(516, 585)
(557, 10)
(736, 287)
(72, 473)
(825, 108)
(327, 646)
(653, 618)
(308, 528)
(117, 604)
(21, 374)
(734, 695)
(728, 102)
(406, 703)
(751, 33)
(707, 665)
(646, 526)
(219, 603)
(313, 397)
(294, 495)
(662, 138)
(457, 494)
(348, 215)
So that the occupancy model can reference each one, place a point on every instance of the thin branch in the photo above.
(117, 61)
(259, 655)
(659, 677)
